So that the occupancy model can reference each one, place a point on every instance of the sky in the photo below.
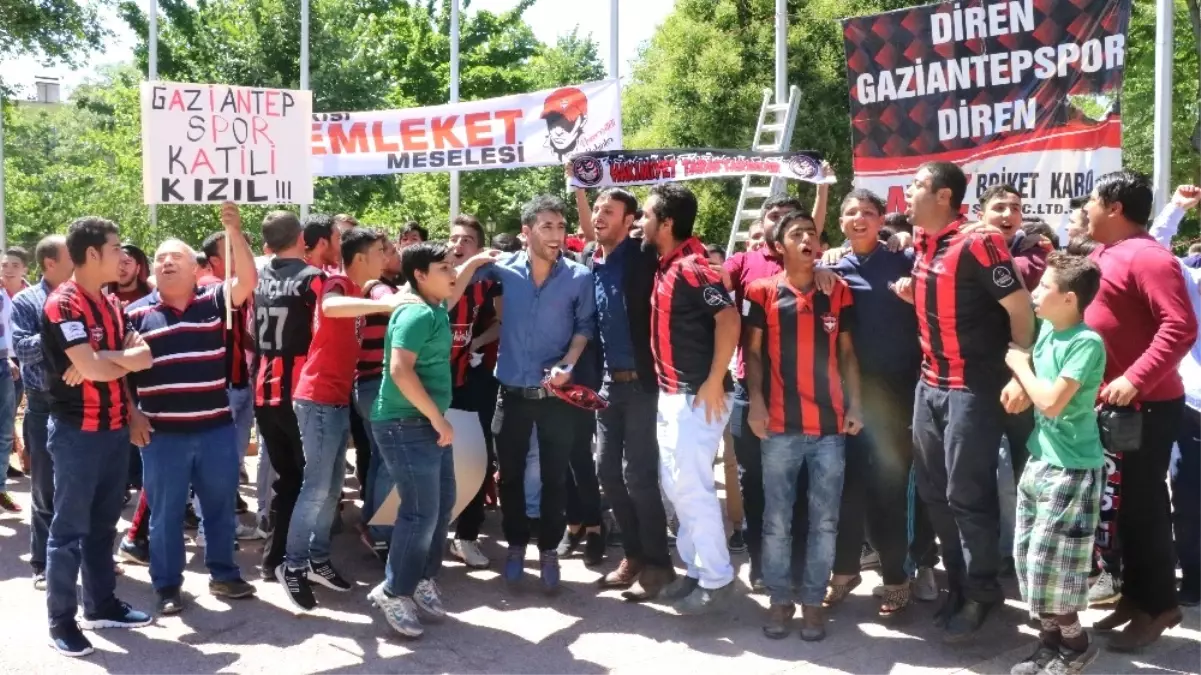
(637, 21)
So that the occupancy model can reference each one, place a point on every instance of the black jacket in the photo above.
(639, 284)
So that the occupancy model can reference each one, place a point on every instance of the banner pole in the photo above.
(781, 52)
(229, 263)
(454, 96)
(152, 62)
(304, 67)
(1162, 176)
(614, 42)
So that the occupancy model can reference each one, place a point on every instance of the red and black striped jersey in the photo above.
(73, 317)
(687, 295)
(466, 322)
(958, 281)
(284, 301)
(802, 376)
(371, 333)
(236, 338)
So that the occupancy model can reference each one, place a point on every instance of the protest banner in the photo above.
(1020, 92)
(542, 128)
(211, 143)
(646, 167)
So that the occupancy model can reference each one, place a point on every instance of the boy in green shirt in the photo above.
(414, 439)
(1059, 494)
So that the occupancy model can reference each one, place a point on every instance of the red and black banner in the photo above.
(645, 167)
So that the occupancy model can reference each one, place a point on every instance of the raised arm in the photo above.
(244, 275)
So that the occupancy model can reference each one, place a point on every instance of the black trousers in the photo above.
(583, 488)
(1145, 516)
(1018, 429)
(629, 471)
(281, 433)
(876, 485)
(513, 423)
(478, 394)
(1186, 499)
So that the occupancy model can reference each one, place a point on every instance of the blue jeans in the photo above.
(41, 476)
(379, 483)
(783, 456)
(425, 478)
(8, 419)
(324, 432)
(173, 463)
(90, 473)
(241, 406)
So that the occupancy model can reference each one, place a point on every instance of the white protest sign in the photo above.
(212, 143)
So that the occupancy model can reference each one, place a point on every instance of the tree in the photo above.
(59, 30)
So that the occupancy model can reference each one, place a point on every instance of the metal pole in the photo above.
(304, 66)
(781, 52)
(1162, 177)
(454, 96)
(614, 42)
(153, 75)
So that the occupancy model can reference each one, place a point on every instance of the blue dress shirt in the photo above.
(613, 321)
(27, 334)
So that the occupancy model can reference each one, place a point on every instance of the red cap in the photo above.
(568, 102)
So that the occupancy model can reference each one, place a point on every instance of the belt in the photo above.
(623, 376)
(530, 393)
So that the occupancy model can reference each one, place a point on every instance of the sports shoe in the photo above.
(39, 580)
(68, 640)
(549, 564)
(170, 601)
(594, 549)
(515, 564)
(400, 613)
(233, 590)
(570, 542)
(1072, 662)
(324, 573)
(704, 600)
(1037, 662)
(1105, 591)
(249, 532)
(868, 558)
(118, 615)
(924, 587)
(7, 504)
(469, 552)
(737, 542)
(429, 600)
(296, 584)
(134, 552)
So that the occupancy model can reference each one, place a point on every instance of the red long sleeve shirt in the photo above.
(1144, 315)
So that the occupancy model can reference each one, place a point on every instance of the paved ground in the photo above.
(494, 631)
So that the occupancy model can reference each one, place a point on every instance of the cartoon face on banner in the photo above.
(565, 112)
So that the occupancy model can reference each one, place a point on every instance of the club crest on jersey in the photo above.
(460, 335)
(1002, 277)
(830, 323)
(96, 333)
(714, 297)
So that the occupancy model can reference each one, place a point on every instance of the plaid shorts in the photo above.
(1057, 514)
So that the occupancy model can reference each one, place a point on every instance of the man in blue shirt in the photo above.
(51, 255)
(551, 307)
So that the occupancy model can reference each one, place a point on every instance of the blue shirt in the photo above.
(613, 323)
(538, 323)
(886, 341)
(27, 335)
(184, 389)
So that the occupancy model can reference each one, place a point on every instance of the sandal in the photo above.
(836, 593)
(894, 600)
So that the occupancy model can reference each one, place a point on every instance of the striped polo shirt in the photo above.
(184, 390)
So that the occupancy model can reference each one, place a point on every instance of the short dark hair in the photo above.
(281, 230)
(318, 227)
(419, 257)
(772, 202)
(541, 204)
(864, 195)
(212, 244)
(998, 190)
(1042, 229)
(1130, 189)
(1076, 274)
(945, 175)
(20, 253)
(898, 222)
(414, 226)
(49, 248)
(357, 240)
(678, 203)
(202, 259)
(1077, 203)
(1081, 244)
(465, 220)
(714, 249)
(777, 233)
(628, 201)
(506, 242)
(89, 232)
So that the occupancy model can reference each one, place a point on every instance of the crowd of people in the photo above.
(934, 390)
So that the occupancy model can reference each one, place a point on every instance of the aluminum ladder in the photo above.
(773, 133)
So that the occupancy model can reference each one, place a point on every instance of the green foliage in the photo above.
(58, 30)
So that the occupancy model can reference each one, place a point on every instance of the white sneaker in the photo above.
(1104, 590)
(924, 586)
(429, 600)
(469, 552)
(400, 613)
(249, 532)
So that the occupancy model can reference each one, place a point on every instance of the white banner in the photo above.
(211, 143)
(542, 128)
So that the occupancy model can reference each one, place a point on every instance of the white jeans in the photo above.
(687, 448)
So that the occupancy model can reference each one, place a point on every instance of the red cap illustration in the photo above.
(568, 102)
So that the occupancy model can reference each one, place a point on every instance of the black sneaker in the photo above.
(170, 601)
(134, 552)
(737, 543)
(296, 583)
(118, 615)
(190, 520)
(325, 574)
(68, 640)
(231, 589)
(594, 549)
(570, 542)
(967, 621)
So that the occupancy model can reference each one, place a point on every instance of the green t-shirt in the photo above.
(424, 330)
(1072, 440)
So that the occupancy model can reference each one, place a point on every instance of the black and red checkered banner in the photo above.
(1022, 92)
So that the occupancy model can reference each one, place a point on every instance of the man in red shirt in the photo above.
(320, 401)
(1144, 315)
